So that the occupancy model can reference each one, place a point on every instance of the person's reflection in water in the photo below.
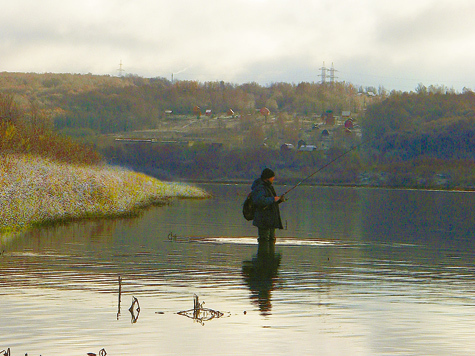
(260, 274)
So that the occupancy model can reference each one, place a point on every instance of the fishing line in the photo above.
(324, 166)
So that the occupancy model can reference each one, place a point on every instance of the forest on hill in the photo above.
(423, 139)
(437, 125)
(418, 139)
(105, 104)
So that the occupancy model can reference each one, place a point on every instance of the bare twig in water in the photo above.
(175, 238)
(136, 310)
(172, 236)
(196, 303)
(200, 314)
(120, 296)
(5, 352)
(135, 301)
(102, 352)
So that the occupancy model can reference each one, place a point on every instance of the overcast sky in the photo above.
(396, 44)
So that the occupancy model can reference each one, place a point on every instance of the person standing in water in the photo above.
(267, 214)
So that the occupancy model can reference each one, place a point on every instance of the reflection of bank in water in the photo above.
(260, 274)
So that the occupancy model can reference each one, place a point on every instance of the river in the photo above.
(356, 271)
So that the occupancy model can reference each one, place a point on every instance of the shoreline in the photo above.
(35, 192)
(286, 182)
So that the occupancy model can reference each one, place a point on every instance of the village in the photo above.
(319, 132)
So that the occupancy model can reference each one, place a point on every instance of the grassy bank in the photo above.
(36, 191)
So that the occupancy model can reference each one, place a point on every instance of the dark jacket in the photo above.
(267, 213)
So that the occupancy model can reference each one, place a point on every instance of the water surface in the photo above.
(355, 272)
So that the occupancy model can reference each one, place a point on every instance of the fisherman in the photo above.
(267, 214)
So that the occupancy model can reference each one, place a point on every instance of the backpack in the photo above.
(248, 208)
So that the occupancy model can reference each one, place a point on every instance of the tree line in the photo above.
(105, 104)
(410, 125)
(139, 107)
(420, 138)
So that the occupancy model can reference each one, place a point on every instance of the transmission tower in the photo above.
(120, 70)
(324, 73)
(332, 71)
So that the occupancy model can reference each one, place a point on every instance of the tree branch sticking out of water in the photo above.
(120, 297)
(133, 310)
(200, 314)
(102, 352)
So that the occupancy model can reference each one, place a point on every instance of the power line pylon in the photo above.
(120, 70)
(324, 73)
(332, 71)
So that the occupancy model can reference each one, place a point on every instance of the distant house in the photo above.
(197, 110)
(307, 148)
(326, 140)
(264, 111)
(346, 114)
(349, 124)
(328, 118)
(287, 147)
(208, 112)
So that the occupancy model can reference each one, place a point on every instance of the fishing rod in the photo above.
(324, 166)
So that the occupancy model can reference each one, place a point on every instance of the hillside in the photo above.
(423, 139)
(220, 131)
(88, 104)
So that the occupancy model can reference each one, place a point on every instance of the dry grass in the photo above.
(35, 191)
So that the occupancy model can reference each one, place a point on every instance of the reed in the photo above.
(36, 191)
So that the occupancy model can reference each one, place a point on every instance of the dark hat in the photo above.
(267, 173)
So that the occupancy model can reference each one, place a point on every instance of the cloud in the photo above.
(244, 40)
